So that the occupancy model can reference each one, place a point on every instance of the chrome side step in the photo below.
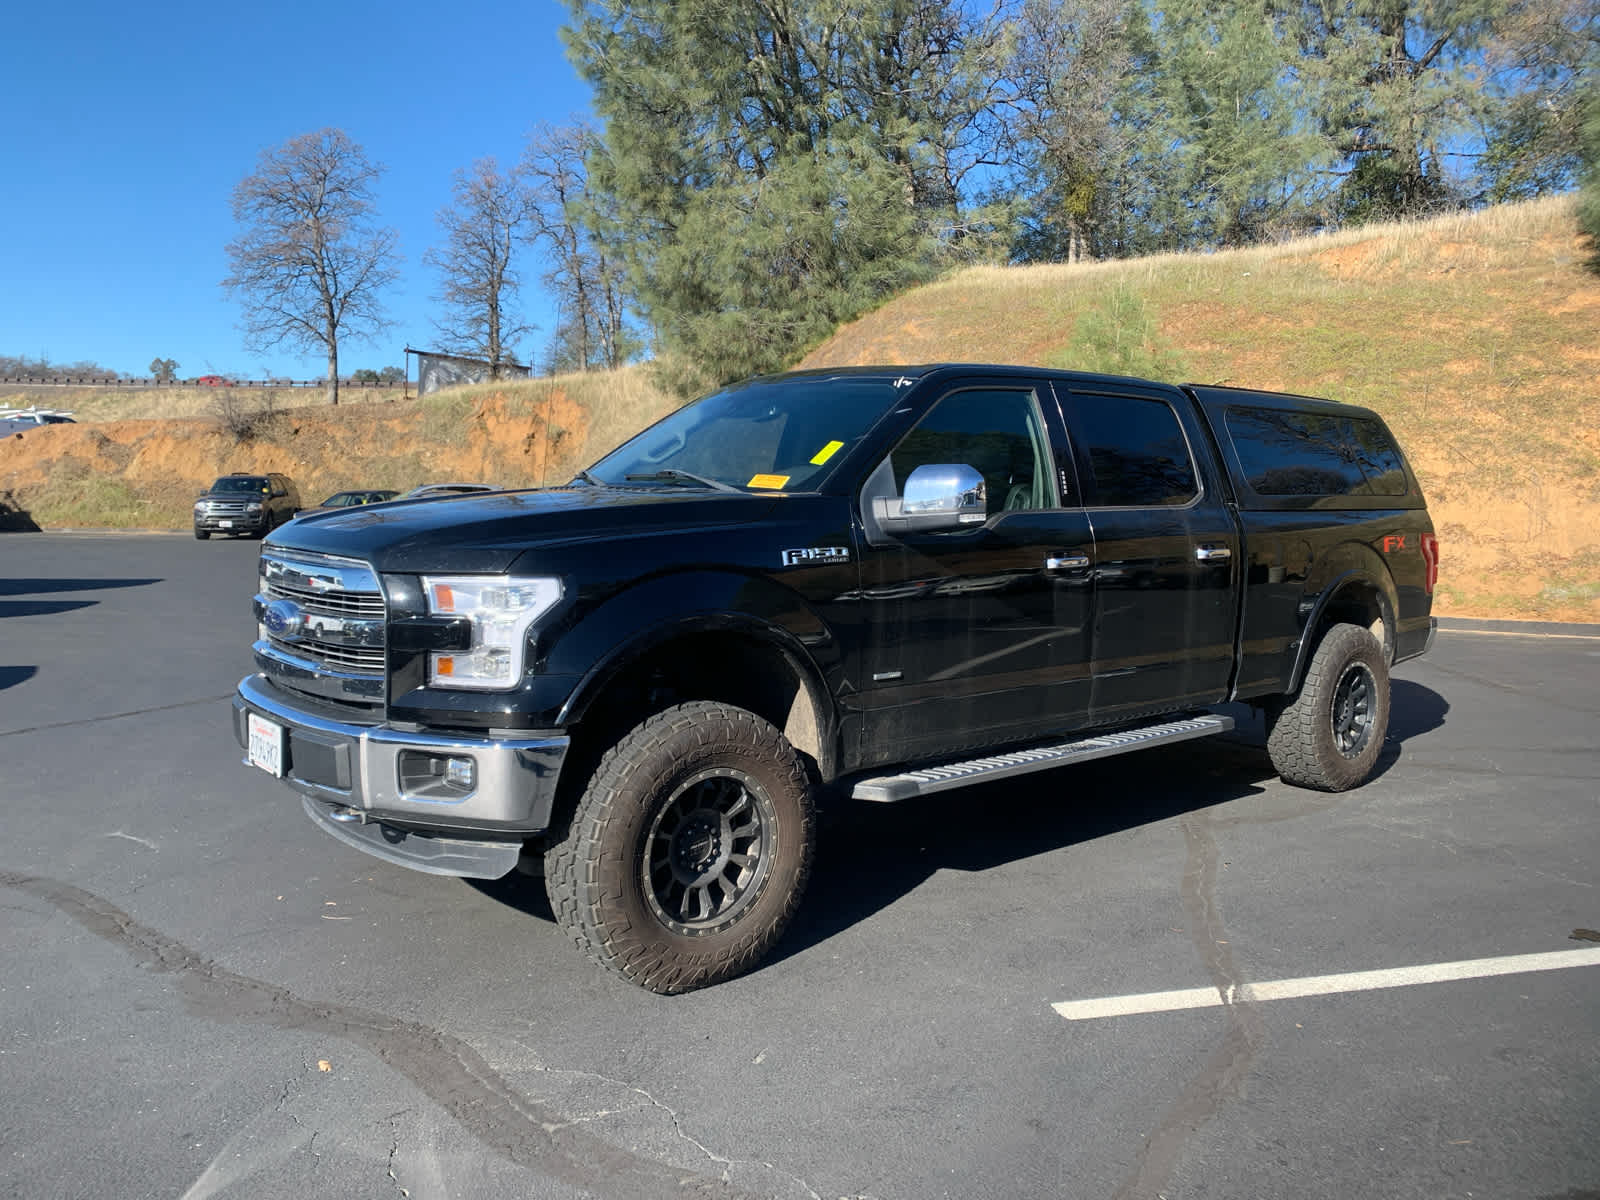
(1038, 758)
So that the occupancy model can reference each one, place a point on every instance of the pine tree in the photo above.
(1589, 150)
(1236, 156)
(773, 170)
(1396, 88)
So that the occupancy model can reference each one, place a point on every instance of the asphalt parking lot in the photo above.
(990, 994)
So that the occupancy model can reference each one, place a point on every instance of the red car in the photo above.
(214, 381)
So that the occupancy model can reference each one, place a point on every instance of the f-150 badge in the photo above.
(814, 556)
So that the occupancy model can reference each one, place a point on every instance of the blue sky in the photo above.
(124, 129)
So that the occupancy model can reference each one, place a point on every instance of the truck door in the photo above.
(978, 635)
(1166, 550)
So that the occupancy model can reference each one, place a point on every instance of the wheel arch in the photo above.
(1356, 589)
(731, 657)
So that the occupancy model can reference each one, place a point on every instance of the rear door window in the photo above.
(1137, 452)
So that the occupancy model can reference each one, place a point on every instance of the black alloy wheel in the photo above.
(707, 853)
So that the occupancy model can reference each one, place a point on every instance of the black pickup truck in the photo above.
(871, 582)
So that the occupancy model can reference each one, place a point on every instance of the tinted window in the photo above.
(1378, 457)
(997, 433)
(241, 483)
(1305, 454)
(1137, 452)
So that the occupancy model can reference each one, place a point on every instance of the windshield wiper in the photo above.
(666, 474)
(591, 480)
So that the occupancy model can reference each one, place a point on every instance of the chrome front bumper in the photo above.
(361, 783)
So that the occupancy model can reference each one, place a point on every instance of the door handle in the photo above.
(1066, 562)
(1211, 554)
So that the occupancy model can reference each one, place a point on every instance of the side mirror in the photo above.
(937, 497)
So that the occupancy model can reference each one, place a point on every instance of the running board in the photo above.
(1040, 758)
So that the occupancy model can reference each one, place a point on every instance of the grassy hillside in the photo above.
(1478, 338)
(142, 471)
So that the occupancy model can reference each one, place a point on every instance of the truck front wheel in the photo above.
(689, 850)
(1329, 735)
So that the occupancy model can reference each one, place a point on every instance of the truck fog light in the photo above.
(442, 778)
(461, 773)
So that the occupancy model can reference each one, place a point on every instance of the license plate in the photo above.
(266, 745)
(224, 524)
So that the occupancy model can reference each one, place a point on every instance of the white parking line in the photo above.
(1325, 985)
(1518, 633)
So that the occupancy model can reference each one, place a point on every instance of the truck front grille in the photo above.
(229, 508)
(322, 624)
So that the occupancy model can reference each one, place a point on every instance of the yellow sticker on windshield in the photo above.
(771, 483)
(827, 452)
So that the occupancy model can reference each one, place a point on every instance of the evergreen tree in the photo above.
(1589, 151)
(772, 170)
(1396, 88)
(1537, 57)
(1236, 157)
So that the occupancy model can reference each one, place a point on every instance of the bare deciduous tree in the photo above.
(163, 370)
(479, 290)
(311, 262)
(565, 221)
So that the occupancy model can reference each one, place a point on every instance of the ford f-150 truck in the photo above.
(873, 582)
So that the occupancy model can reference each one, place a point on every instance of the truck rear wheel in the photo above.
(1329, 735)
(689, 850)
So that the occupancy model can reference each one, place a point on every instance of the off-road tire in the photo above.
(202, 534)
(1329, 734)
(700, 792)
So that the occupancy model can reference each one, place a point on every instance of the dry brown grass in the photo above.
(1476, 335)
(132, 470)
(110, 403)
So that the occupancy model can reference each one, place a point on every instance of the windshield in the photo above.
(240, 483)
(782, 434)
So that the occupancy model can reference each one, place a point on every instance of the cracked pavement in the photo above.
(184, 952)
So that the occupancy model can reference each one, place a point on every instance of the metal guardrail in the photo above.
(107, 381)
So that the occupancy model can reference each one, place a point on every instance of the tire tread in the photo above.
(573, 860)
(1298, 740)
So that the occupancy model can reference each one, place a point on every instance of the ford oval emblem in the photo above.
(284, 620)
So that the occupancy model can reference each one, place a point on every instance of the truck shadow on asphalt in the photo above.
(11, 676)
(871, 855)
(50, 608)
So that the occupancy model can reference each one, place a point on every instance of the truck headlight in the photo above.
(253, 507)
(502, 608)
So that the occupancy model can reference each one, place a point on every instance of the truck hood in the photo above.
(486, 532)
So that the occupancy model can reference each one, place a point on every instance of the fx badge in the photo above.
(814, 556)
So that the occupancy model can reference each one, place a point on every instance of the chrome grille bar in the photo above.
(322, 623)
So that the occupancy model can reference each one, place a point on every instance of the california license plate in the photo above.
(265, 744)
(224, 524)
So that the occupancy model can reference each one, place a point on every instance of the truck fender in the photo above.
(630, 625)
(1352, 575)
